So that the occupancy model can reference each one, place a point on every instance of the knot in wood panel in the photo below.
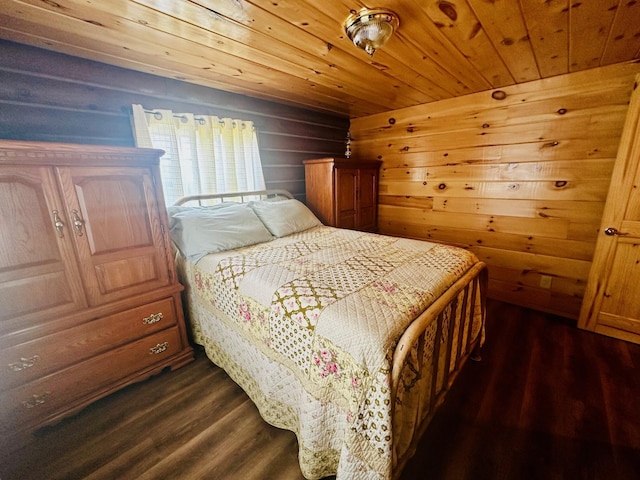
(449, 9)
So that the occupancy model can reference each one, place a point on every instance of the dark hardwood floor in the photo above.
(547, 401)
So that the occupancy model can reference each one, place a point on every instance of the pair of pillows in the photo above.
(198, 231)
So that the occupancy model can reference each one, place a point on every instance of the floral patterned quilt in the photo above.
(307, 324)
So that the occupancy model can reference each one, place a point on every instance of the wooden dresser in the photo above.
(89, 299)
(343, 192)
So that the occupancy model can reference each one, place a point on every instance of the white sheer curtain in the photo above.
(203, 154)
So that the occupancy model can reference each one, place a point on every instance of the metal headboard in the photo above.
(233, 195)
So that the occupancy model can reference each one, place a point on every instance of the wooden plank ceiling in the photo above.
(296, 51)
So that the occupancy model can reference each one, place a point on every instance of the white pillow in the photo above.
(284, 217)
(198, 231)
(174, 210)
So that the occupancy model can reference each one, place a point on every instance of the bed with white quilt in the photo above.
(349, 339)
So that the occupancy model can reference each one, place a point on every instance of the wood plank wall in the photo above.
(47, 96)
(521, 181)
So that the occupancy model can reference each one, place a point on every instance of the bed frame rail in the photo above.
(434, 378)
(242, 196)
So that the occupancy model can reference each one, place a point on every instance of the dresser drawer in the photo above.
(63, 391)
(31, 360)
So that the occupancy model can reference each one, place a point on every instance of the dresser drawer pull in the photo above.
(153, 318)
(36, 400)
(159, 348)
(58, 223)
(23, 364)
(78, 223)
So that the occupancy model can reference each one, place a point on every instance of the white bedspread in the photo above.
(307, 324)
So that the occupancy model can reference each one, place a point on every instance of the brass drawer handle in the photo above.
(36, 400)
(153, 318)
(78, 223)
(23, 364)
(159, 348)
(58, 223)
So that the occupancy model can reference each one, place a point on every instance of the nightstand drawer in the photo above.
(72, 388)
(25, 362)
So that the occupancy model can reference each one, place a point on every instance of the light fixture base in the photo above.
(370, 28)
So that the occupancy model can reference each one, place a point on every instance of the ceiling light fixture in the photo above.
(370, 29)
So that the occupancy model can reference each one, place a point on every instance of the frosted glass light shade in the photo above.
(370, 29)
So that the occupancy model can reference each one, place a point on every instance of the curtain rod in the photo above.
(158, 116)
(200, 120)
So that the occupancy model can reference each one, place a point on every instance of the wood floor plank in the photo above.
(547, 401)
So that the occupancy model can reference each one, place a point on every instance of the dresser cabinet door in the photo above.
(39, 278)
(346, 203)
(356, 193)
(367, 218)
(117, 230)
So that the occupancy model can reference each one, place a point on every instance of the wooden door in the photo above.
(367, 199)
(611, 304)
(346, 190)
(117, 230)
(39, 278)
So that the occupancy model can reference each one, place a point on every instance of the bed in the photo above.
(349, 339)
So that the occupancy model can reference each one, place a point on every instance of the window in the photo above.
(203, 154)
